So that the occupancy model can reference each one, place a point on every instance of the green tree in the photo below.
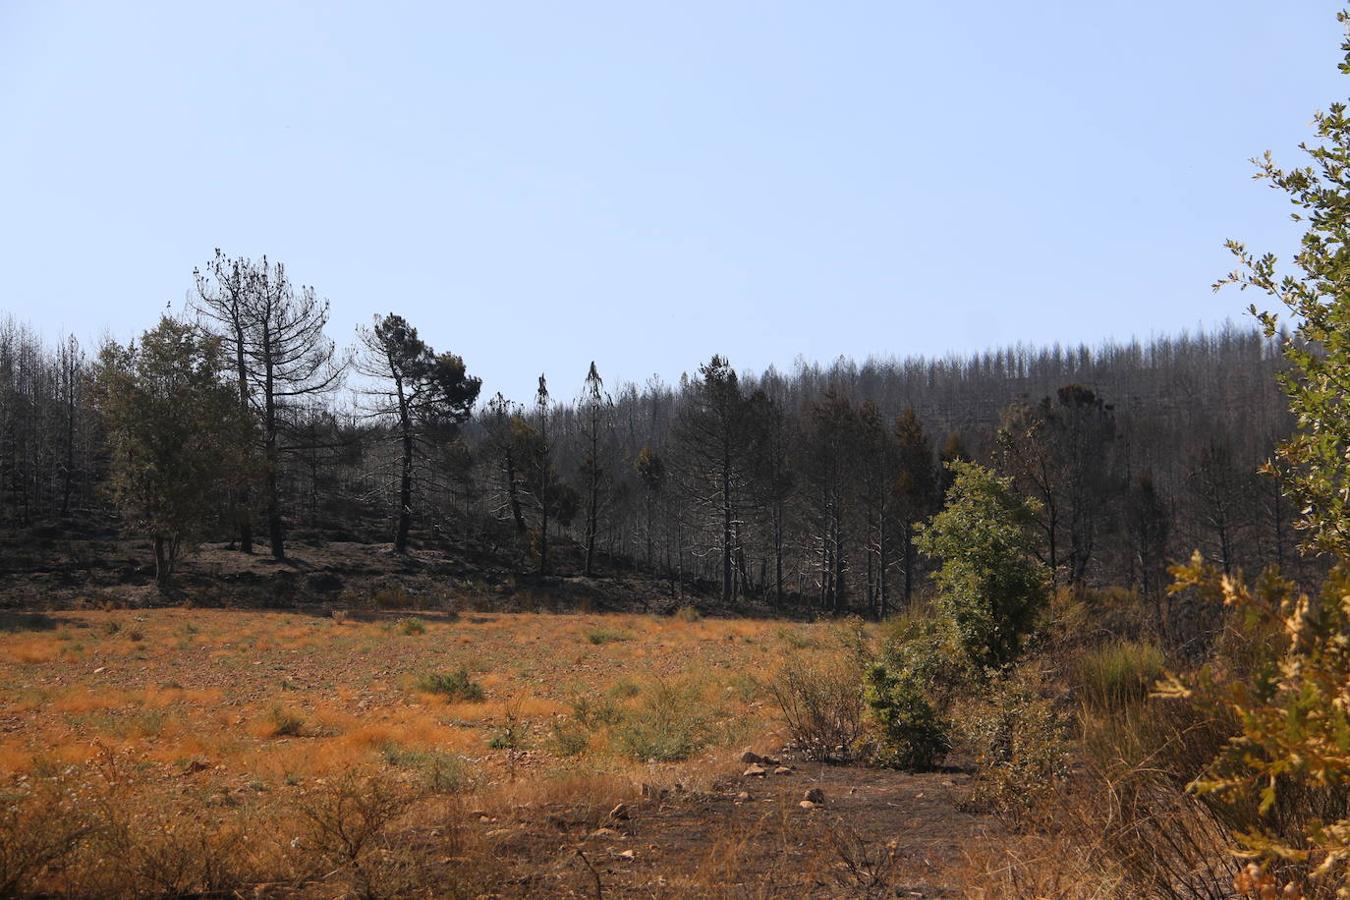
(595, 412)
(175, 431)
(420, 390)
(651, 470)
(1291, 761)
(711, 434)
(917, 490)
(990, 583)
(1312, 463)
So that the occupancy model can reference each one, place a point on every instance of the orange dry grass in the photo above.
(176, 685)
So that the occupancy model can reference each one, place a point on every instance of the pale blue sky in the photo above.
(537, 185)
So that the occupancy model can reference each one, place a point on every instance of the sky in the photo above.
(536, 186)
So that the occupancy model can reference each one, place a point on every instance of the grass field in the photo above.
(273, 699)
(210, 748)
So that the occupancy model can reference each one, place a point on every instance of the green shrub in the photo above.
(591, 714)
(924, 642)
(457, 686)
(569, 740)
(607, 636)
(668, 725)
(623, 689)
(797, 638)
(909, 732)
(990, 584)
(1118, 674)
(412, 625)
(441, 773)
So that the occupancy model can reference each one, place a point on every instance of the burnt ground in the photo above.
(68, 566)
(876, 833)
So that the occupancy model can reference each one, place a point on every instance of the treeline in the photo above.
(243, 419)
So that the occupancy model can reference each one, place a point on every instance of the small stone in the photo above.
(807, 804)
(742, 796)
(627, 854)
(783, 770)
(619, 812)
(100, 670)
(751, 758)
(815, 796)
(604, 832)
(755, 771)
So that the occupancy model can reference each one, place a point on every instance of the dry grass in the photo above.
(235, 734)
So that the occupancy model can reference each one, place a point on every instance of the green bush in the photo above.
(441, 773)
(668, 726)
(591, 714)
(569, 740)
(607, 636)
(990, 583)
(924, 642)
(909, 732)
(1118, 674)
(456, 686)
(411, 626)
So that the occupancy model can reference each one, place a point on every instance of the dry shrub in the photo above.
(864, 868)
(1131, 806)
(349, 826)
(1035, 865)
(1117, 674)
(39, 827)
(1019, 738)
(822, 705)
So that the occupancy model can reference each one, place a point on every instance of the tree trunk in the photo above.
(405, 487)
(726, 532)
(275, 532)
(244, 511)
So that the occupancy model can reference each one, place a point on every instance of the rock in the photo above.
(783, 770)
(195, 765)
(627, 854)
(752, 758)
(742, 796)
(604, 832)
(755, 771)
(619, 812)
(807, 804)
(815, 795)
(478, 814)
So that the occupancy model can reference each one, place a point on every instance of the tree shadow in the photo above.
(13, 622)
